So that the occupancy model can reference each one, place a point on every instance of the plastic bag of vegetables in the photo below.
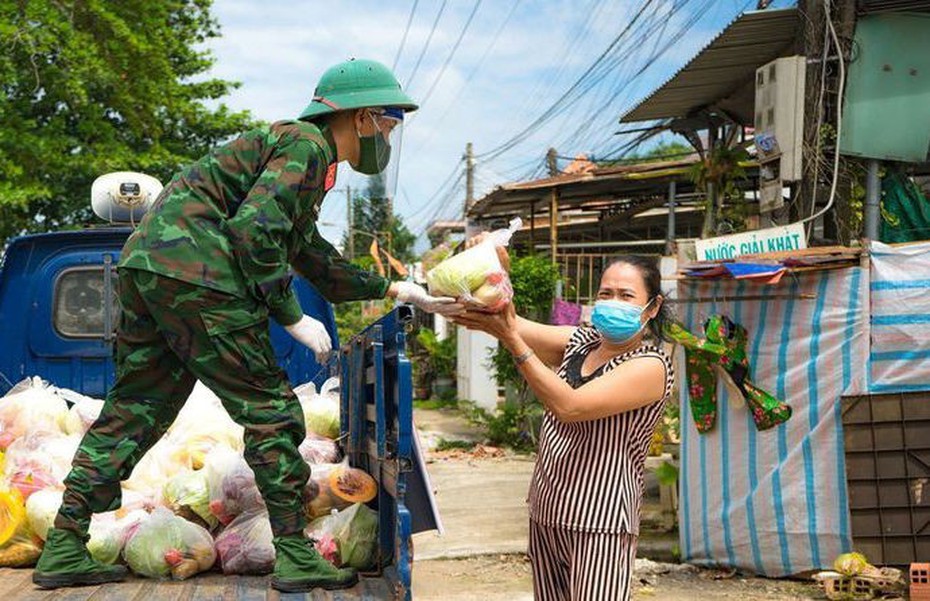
(202, 425)
(31, 406)
(477, 276)
(19, 546)
(245, 545)
(231, 483)
(321, 411)
(157, 466)
(39, 460)
(164, 545)
(108, 534)
(188, 496)
(41, 509)
(317, 449)
(82, 415)
(355, 532)
(336, 486)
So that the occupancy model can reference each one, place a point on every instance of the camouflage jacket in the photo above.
(239, 218)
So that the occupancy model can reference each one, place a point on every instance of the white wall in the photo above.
(475, 380)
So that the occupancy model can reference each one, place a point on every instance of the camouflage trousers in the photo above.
(171, 334)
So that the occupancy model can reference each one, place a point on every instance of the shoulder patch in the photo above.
(330, 177)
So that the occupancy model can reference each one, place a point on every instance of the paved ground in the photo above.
(482, 507)
(481, 556)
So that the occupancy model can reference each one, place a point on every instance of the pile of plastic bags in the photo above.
(191, 504)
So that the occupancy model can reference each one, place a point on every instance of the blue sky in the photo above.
(514, 60)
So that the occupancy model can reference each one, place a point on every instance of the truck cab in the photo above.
(59, 309)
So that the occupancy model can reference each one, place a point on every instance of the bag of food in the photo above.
(82, 415)
(336, 486)
(321, 411)
(317, 449)
(245, 545)
(31, 406)
(19, 546)
(41, 509)
(165, 545)
(201, 425)
(476, 275)
(156, 467)
(188, 496)
(39, 460)
(231, 483)
(108, 534)
(355, 532)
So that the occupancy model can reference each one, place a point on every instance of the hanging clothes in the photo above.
(722, 352)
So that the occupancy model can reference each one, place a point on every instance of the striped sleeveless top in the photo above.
(589, 475)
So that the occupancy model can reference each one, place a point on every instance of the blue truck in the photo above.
(58, 311)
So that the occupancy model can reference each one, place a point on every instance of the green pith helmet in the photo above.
(356, 84)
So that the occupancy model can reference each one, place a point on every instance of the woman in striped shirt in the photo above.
(602, 405)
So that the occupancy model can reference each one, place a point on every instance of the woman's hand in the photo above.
(502, 326)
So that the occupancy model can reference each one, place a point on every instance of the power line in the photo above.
(559, 103)
(458, 95)
(455, 47)
(403, 40)
(426, 45)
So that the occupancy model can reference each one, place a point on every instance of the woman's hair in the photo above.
(648, 267)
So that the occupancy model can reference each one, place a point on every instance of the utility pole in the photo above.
(812, 39)
(350, 212)
(553, 206)
(469, 189)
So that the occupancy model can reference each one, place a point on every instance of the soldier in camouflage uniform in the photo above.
(198, 280)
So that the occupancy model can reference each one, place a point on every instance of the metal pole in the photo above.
(872, 201)
(670, 235)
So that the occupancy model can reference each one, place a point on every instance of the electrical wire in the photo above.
(458, 95)
(561, 101)
(455, 47)
(839, 115)
(403, 40)
(429, 38)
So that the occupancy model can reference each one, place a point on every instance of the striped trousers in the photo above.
(581, 566)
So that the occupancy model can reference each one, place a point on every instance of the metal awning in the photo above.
(602, 187)
(722, 75)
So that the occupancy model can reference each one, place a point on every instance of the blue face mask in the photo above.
(618, 321)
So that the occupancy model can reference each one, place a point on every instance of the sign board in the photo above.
(775, 239)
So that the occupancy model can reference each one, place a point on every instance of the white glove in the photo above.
(312, 334)
(408, 292)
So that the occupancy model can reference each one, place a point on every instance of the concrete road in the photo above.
(482, 507)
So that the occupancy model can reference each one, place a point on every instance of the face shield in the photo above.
(379, 154)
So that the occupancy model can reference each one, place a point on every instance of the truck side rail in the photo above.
(377, 432)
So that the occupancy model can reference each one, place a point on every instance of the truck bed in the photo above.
(16, 584)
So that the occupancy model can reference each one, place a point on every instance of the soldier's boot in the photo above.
(65, 561)
(298, 567)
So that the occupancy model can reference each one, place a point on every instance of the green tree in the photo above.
(372, 216)
(90, 87)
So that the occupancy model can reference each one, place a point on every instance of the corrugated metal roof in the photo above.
(880, 6)
(722, 73)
